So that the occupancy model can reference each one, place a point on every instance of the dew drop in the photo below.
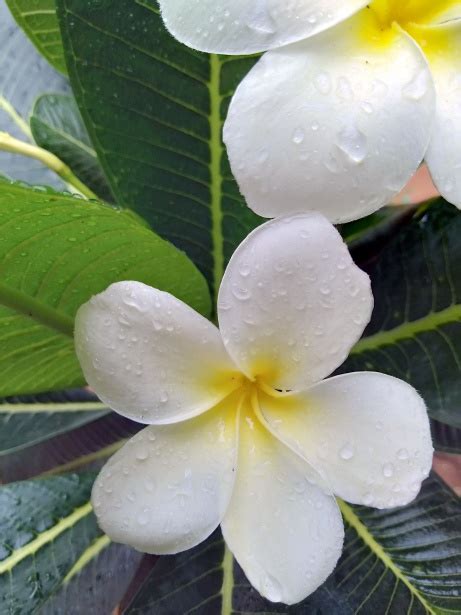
(259, 18)
(388, 470)
(298, 136)
(242, 294)
(353, 143)
(143, 518)
(418, 86)
(142, 454)
(244, 270)
(323, 83)
(347, 452)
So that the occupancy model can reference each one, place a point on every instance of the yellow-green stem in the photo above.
(16, 146)
(14, 115)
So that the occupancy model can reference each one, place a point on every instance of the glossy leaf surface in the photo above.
(55, 253)
(38, 20)
(154, 110)
(415, 330)
(405, 560)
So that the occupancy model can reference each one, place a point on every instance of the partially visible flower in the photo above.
(243, 432)
(352, 97)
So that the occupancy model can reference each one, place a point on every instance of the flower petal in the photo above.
(338, 123)
(168, 488)
(366, 433)
(292, 303)
(284, 531)
(430, 12)
(442, 45)
(138, 349)
(241, 27)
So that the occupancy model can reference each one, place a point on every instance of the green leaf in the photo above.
(446, 438)
(38, 20)
(48, 533)
(57, 126)
(25, 422)
(99, 586)
(382, 222)
(154, 110)
(84, 447)
(24, 75)
(53, 557)
(405, 560)
(55, 253)
(415, 331)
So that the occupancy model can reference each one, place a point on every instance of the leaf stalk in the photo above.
(16, 146)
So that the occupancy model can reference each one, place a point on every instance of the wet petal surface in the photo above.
(292, 302)
(338, 123)
(366, 433)
(284, 531)
(138, 349)
(242, 27)
(168, 488)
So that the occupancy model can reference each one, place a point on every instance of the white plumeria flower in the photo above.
(339, 121)
(243, 432)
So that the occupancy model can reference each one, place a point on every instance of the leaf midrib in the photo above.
(66, 136)
(44, 538)
(87, 556)
(36, 310)
(52, 407)
(408, 330)
(216, 152)
(228, 581)
(353, 520)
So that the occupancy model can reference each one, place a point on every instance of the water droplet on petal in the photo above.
(418, 86)
(347, 452)
(298, 136)
(240, 293)
(388, 470)
(259, 17)
(353, 143)
(142, 454)
(323, 83)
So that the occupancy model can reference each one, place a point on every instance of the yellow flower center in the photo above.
(405, 12)
(248, 394)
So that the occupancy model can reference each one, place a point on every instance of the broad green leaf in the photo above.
(24, 75)
(415, 331)
(48, 534)
(403, 560)
(56, 252)
(38, 20)
(154, 111)
(57, 126)
(27, 421)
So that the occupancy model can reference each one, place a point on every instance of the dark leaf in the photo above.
(57, 126)
(154, 111)
(415, 331)
(403, 560)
